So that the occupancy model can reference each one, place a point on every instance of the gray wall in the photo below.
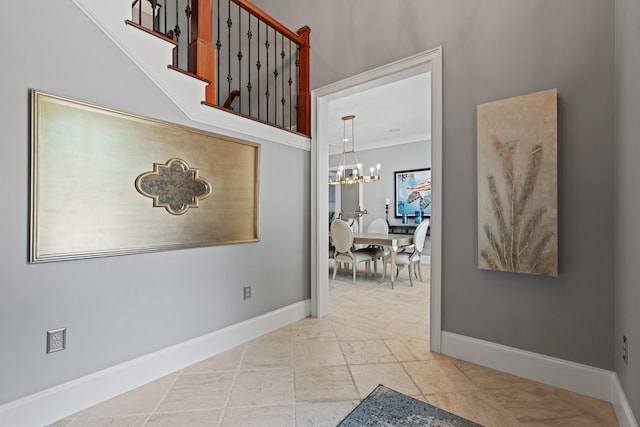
(118, 308)
(628, 197)
(416, 155)
(492, 50)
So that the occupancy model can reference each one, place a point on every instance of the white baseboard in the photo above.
(583, 379)
(621, 406)
(61, 401)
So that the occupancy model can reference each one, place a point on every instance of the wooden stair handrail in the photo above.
(264, 16)
(203, 54)
(232, 96)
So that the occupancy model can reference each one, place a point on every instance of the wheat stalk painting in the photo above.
(517, 196)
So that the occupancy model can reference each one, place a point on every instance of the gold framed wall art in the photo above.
(106, 182)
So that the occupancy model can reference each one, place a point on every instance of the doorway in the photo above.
(430, 60)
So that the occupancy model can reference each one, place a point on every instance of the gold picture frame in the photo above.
(106, 182)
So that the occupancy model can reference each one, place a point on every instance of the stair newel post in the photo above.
(304, 91)
(202, 52)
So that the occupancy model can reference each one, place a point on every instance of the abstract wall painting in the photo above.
(413, 192)
(517, 184)
(105, 182)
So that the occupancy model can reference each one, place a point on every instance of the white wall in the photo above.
(119, 308)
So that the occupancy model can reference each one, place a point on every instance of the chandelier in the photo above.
(356, 174)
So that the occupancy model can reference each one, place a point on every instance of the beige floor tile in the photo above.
(198, 391)
(142, 400)
(392, 375)
(279, 335)
(269, 355)
(475, 406)
(364, 280)
(538, 408)
(412, 349)
(601, 413)
(226, 361)
(269, 346)
(284, 334)
(261, 388)
(438, 376)
(386, 334)
(490, 379)
(364, 323)
(346, 332)
(318, 353)
(366, 352)
(311, 328)
(324, 384)
(355, 310)
(323, 414)
(406, 329)
(209, 418)
(264, 416)
(123, 421)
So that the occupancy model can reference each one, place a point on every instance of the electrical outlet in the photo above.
(56, 340)
(625, 356)
(246, 292)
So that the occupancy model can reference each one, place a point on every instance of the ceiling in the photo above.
(388, 113)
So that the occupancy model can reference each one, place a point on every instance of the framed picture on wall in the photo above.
(413, 192)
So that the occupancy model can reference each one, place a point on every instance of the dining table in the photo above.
(389, 240)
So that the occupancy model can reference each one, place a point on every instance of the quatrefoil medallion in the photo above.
(173, 186)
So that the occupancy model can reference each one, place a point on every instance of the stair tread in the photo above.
(153, 33)
(188, 73)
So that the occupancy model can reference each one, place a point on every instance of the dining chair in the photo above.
(378, 226)
(410, 258)
(353, 224)
(342, 237)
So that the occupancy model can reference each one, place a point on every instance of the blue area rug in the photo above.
(386, 407)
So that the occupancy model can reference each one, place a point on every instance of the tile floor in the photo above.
(315, 371)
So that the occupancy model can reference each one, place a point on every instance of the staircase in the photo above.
(153, 54)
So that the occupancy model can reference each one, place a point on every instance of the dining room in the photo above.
(380, 167)
(386, 214)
